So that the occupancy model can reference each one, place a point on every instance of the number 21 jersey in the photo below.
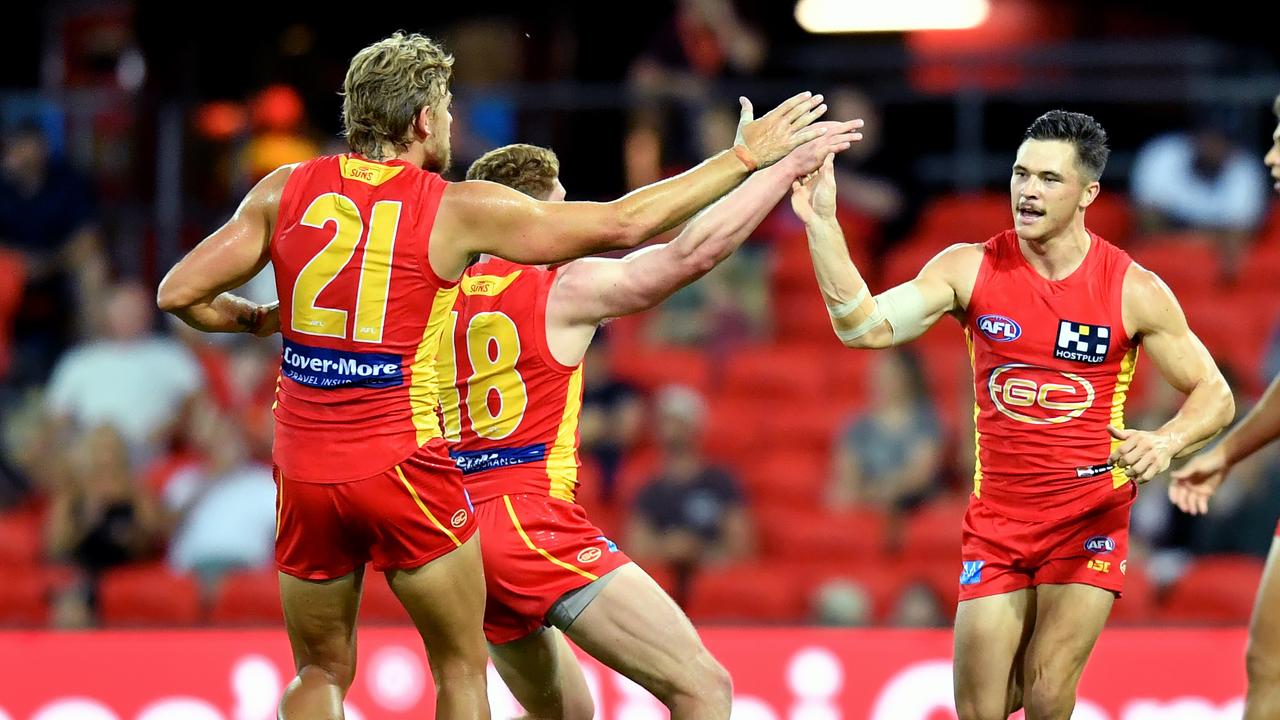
(361, 313)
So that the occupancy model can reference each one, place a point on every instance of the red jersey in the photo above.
(361, 312)
(510, 409)
(1052, 367)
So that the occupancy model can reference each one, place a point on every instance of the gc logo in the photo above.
(1039, 396)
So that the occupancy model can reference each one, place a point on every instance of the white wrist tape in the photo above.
(872, 322)
(844, 309)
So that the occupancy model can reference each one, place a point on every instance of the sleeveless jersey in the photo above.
(510, 409)
(361, 313)
(1052, 367)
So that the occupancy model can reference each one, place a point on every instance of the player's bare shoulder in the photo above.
(958, 267)
(1147, 303)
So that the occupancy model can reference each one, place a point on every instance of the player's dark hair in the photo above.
(1081, 130)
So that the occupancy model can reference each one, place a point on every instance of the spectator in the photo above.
(1201, 181)
(225, 511)
(47, 216)
(861, 190)
(690, 513)
(132, 380)
(889, 457)
(100, 516)
(842, 603)
(612, 416)
(918, 607)
(704, 41)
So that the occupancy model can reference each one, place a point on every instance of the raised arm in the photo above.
(1152, 313)
(196, 288)
(591, 290)
(478, 217)
(895, 316)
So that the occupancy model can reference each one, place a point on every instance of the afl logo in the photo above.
(1100, 545)
(589, 555)
(1039, 396)
(459, 519)
(999, 328)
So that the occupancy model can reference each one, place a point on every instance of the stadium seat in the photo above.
(905, 261)
(652, 367)
(1111, 217)
(1216, 589)
(965, 218)
(20, 538)
(798, 535)
(24, 598)
(148, 595)
(733, 429)
(794, 372)
(1186, 261)
(1136, 605)
(248, 598)
(787, 478)
(874, 573)
(933, 530)
(750, 592)
(12, 280)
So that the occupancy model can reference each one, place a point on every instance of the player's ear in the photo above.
(422, 123)
(1090, 194)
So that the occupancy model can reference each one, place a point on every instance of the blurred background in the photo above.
(763, 473)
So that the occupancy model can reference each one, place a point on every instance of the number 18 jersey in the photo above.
(510, 408)
(361, 313)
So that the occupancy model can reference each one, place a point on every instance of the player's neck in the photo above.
(1056, 257)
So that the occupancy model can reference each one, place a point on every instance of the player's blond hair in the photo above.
(1275, 106)
(528, 168)
(387, 85)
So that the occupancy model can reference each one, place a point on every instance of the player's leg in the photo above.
(445, 599)
(632, 626)
(991, 636)
(544, 676)
(1069, 619)
(320, 617)
(1263, 657)
(321, 576)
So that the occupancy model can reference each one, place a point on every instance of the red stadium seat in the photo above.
(148, 595)
(801, 316)
(755, 592)
(932, 531)
(1187, 262)
(965, 218)
(248, 598)
(787, 478)
(876, 574)
(849, 536)
(776, 371)
(20, 538)
(1216, 589)
(1111, 217)
(1136, 605)
(13, 272)
(24, 598)
(905, 261)
(733, 429)
(653, 367)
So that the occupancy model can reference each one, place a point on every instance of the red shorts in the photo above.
(536, 549)
(402, 518)
(1000, 554)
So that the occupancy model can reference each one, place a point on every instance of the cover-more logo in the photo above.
(1039, 396)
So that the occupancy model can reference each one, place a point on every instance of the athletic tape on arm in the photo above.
(903, 307)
